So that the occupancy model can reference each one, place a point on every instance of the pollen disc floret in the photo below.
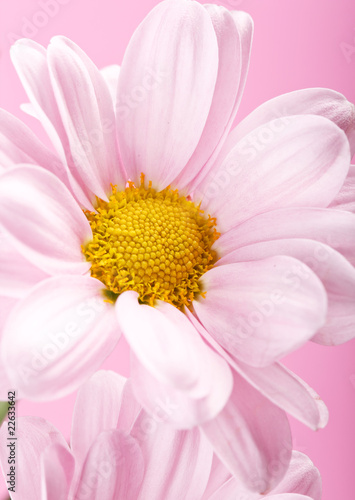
(156, 243)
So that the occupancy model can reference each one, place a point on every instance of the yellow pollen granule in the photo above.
(156, 243)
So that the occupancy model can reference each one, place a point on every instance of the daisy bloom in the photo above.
(214, 253)
(119, 452)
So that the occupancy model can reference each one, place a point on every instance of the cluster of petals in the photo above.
(119, 452)
(280, 186)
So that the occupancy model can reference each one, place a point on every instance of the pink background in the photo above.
(296, 45)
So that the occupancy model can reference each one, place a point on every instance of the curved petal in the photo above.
(111, 74)
(57, 472)
(33, 435)
(345, 199)
(17, 274)
(114, 468)
(281, 386)
(302, 477)
(57, 336)
(18, 144)
(332, 227)
(302, 164)
(289, 392)
(88, 116)
(43, 220)
(335, 272)
(104, 402)
(171, 60)
(260, 311)
(177, 463)
(178, 408)
(234, 34)
(289, 496)
(218, 477)
(252, 437)
(30, 61)
(315, 101)
(174, 359)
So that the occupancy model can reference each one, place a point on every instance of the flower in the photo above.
(236, 239)
(118, 451)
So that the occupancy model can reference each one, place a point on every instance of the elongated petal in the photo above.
(43, 220)
(17, 274)
(252, 437)
(18, 144)
(177, 463)
(114, 468)
(335, 272)
(30, 61)
(88, 116)
(111, 74)
(179, 408)
(302, 477)
(57, 336)
(218, 477)
(302, 164)
(172, 352)
(281, 386)
(332, 227)
(165, 90)
(57, 471)
(260, 311)
(99, 406)
(345, 199)
(33, 435)
(233, 54)
(288, 391)
(315, 101)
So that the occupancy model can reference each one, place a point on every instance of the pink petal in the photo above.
(30, 61)
(260, 311)
(281, 386)
(335, 272)
(345, 199)
(17, 274)
(232, 490)
(303, 164)
(179, 408)
(289, 496)
(302, 477)
(218, 477)
(332, 227)
(57, 472)
(315, 101)
(57, 336)
(171, 60)
(177, 463)
(234, 35)
(18, 144)
(88, 116)
(174, 360)
(252, 437)
(111, 74)
(6, 306)
(286, 390)
(104, 390)
(43, 220)
(114, 468)
(33, 435)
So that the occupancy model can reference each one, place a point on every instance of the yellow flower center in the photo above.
(156, 243)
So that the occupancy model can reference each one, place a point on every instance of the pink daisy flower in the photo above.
(119, 452)
(215, 254)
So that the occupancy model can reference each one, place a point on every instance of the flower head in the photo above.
(214, 253)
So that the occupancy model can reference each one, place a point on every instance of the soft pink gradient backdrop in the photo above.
(297, 44)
